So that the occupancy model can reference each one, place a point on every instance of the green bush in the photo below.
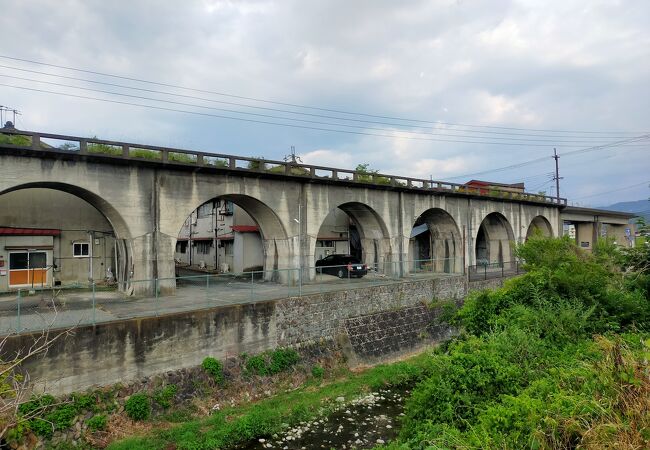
(104, 149)
(272, 362)
(145, 154)
(163, 397)
(214, 367)
(15, 139)
(97, 423)
(138, 407)
(83, 401)
(282, 359)
(181, 157)
(257, 365)
(528, 373)
(317, 372)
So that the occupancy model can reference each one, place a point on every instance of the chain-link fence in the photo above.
(38, 308)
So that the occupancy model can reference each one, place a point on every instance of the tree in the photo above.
(15, 384)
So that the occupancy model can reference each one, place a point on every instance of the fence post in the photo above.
(94, 318)
(300, 280)
(155, 284)
(207, 290)
(18, 313)
(502, 269)
(252, 273)
(485, 271)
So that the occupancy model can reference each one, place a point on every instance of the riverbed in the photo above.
(357, 424)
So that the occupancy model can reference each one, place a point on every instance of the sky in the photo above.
(483, 84)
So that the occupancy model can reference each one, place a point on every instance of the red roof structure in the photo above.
(245, 228)
(11, 231)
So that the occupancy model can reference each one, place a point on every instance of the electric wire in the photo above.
(161, 108)
(524, 141)
(295, 105)
(393, 124)
(545, 158)
(612, 190)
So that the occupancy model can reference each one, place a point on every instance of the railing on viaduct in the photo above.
(113, 150)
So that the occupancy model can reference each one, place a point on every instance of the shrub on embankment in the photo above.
(88, 420)
(557, 358)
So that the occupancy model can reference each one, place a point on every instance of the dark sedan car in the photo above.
(342, 266)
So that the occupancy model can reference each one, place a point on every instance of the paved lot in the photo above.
(72, 307)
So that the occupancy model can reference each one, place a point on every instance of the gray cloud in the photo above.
(547, 65)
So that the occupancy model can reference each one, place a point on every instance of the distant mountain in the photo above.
(642, 207)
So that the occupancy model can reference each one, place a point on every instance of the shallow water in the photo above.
(357, 424)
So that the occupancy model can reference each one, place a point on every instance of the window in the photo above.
(80, 249)
(181, 247)
(205, 210)
(227, 208)
(325, 243)
(203, 247)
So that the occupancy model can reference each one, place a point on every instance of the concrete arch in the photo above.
(123, 239)
(494, 240)
(435, 243)
(99, 203)
(542, 224)
(373, 233)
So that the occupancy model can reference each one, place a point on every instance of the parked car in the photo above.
(342, 266)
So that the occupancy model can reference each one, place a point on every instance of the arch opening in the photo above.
(229, 234)
(494, 241)
(55, 234)
(352, 231)
(541, 225)
(435, 243)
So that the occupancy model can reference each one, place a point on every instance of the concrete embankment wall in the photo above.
(128, 350)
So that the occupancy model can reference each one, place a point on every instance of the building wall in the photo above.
(78, 222)
(247, 252)
(241, 251)
(335, 231)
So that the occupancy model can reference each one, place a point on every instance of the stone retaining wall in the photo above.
(127, 350)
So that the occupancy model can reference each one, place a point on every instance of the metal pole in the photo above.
(300, 248)
(94, 303)
(252, 273)
(18, 315)
(156, 298)
(557, 175)
(207, 290)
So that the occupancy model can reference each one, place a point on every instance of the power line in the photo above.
(122, 86)
(545, 158)
(160, 108)
(523, 141)
(295, 105)
(612, 190)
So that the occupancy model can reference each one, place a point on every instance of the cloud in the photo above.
(546, 65)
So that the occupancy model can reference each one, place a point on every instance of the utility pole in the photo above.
(557, 177)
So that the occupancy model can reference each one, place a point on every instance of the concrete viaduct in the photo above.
(146, 193)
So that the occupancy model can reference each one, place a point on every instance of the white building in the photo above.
(219, 236)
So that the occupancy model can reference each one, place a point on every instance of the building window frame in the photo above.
(81, 249)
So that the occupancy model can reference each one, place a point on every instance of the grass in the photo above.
(232, 426)
(15, 139)
(104, 149)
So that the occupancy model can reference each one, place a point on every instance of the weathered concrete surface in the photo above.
(146, 205)
(131, 349)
